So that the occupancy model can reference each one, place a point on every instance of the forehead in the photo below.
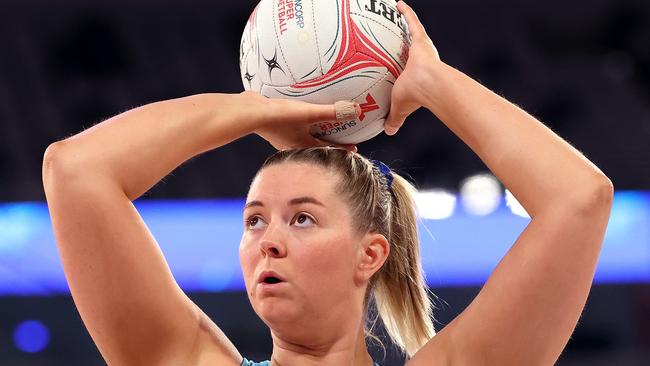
(293, 179)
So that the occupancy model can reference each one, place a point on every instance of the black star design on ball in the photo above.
(273, 63)
(249, 78)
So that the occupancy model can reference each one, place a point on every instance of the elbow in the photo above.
(50, 162)
(58, 164)
(603, 193)
(596, 196)
(70, 171)
(607, 191)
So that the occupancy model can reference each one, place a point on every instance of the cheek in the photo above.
(329, 261)
(247, 259)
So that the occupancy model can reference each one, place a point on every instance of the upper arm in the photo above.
(529, 307)
(118, 277)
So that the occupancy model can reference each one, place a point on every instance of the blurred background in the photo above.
(582, 67)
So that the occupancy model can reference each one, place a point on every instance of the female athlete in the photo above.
(327, 233)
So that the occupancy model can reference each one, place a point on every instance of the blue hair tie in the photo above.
(385, 171)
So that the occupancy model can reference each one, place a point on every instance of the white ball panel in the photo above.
(330, 24)
(357, 5)
(384, 11)
(368, 131)
(250, 71)
(297, 38)
(248, 54)
(245, 43)
(273, 68)
(385, 40)
(345, 88)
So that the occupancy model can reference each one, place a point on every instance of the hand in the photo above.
(285, 123)
(410, 90)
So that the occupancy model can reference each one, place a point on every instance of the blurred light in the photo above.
(15, 227)
(515, 207)
(435, 204)
(480, 194)
(216, 275)
(31, 336)
(462, 249)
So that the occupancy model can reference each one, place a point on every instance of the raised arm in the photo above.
(527, 310)
(120, 282)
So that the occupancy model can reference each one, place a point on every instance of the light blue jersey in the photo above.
(245, 362)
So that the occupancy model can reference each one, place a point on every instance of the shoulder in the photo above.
(437, 351)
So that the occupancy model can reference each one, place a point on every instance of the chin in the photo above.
(276, 312)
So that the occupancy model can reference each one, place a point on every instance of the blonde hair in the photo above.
(397, 291)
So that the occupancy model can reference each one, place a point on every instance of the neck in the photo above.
(348, 349)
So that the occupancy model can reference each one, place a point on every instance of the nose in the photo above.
(273, 249)
(273, 243)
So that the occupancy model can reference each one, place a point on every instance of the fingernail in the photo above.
(357, 109)
(390, 131)
(347, 110)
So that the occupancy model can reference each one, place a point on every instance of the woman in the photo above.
(306, 234)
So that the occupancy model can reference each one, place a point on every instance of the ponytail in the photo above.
(400, 293)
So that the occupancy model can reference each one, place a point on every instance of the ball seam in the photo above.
(278, 42)
(313, 19)
(378, 22)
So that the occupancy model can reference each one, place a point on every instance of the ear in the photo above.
(373, 252)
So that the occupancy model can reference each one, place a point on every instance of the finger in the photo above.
(415, 26)
(339, 111)
(394, 121)
(392, 129)
(346, 110)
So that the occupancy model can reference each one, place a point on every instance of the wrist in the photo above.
(218, 118)
(258, 111)
(436, 76)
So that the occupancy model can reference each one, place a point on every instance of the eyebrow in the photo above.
(301, 200)
(293, 202)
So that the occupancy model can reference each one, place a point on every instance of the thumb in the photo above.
(395, 120)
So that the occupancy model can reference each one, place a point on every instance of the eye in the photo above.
(254, 223)
(303, 220)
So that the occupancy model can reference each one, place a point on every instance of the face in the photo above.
(298, 229)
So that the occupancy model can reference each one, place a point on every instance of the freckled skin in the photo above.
(317, 259)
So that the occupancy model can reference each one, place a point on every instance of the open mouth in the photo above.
(272, 280)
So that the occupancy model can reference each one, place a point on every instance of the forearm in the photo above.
(137, 148)
(536, 165)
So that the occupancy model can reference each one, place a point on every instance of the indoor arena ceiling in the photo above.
(583, 67)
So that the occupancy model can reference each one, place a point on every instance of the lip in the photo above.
(265, 274)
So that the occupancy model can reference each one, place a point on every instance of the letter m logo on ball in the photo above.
(322, 51)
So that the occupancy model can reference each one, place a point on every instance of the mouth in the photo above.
(270, 278)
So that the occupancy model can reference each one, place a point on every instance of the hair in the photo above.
(397, 291)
